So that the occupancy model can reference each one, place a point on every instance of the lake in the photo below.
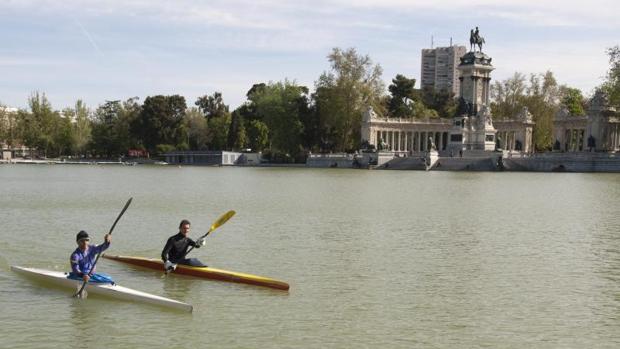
(391, 259)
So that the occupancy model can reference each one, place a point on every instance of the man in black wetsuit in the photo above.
(176, 248)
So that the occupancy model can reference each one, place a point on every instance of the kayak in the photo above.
(203, 272)
(109, 290)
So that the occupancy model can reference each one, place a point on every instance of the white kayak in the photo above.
(110, 290)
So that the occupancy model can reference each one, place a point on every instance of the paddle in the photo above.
(79, 292)
(220, 221)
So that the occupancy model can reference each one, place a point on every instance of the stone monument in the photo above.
(472, 128)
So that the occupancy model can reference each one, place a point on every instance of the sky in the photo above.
(118, 49)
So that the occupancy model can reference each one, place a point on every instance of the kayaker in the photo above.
(83, 257)
(176, 248)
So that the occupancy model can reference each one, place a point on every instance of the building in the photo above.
(205, 158)
(473, 130)
(598, 130)
(439, 68)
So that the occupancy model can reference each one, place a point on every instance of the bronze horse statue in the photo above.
(475, 39)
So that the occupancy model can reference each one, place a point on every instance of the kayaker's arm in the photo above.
(75, 265)
(166, 250)
(104, 246)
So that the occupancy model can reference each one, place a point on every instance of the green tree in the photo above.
(541, 95)
(543, 101)
(197, 130)
(441, 101)
(573, 100)
(80, 127)
(212, 106)
(279, 106)
(9, 126)
(103, 135)
(403, 97)
(508, 96)
(111, 133)
(37, 125)
(612, 83)
(62, 141)
(237, 138)
(342, 94)
(258, 135)
(218, 120)
(218, 131)
(161, 122)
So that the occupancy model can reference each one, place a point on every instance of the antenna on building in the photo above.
(450, 41)
(432, 42)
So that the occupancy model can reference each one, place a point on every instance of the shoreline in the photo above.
(473, 162)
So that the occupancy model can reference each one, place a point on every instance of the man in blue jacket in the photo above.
(84, 256)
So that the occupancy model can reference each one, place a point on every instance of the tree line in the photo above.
(284, 120)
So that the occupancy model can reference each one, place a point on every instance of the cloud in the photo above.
(285, 14)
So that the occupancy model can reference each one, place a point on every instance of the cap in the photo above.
(82, 235)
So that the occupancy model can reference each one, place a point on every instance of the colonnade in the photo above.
(412, 140)
(574, 139)
(508, 140)
(613, 137)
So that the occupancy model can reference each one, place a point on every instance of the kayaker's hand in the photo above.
(85, 277)
(201, 242)
(169, 266)
(108, 238)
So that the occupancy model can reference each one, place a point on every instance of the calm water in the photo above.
(374, 258)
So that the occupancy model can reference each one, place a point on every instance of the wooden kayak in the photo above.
(109, 290)
(203, 272)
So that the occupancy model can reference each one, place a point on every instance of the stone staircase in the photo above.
(408, 163)
(565, 162)
(466, 164)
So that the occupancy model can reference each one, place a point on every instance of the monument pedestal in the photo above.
(473, 128)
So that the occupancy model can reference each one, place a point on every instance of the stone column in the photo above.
(396, 140)
(417, 141)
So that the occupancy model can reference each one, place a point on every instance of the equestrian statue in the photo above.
(475, 39)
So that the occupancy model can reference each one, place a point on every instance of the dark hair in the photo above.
(81, 235)
(183, 222)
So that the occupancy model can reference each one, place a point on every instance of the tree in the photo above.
(258, 135)
(212, 106)
(573, 100)
(441, 101)
(279, 106)
(543, 101)
(197, 130)
(218, 119)
(103, 137)
(612, 84)
(81, 127)
(161, 122)
(113, 125)
(9, 130)
(218, 131)
(342, 94)
(541, 95)
(508, 96)
(237, 138)
(62, 141)
(36, 126)
(403, 97)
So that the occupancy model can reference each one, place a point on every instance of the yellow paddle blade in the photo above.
(223, 219)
